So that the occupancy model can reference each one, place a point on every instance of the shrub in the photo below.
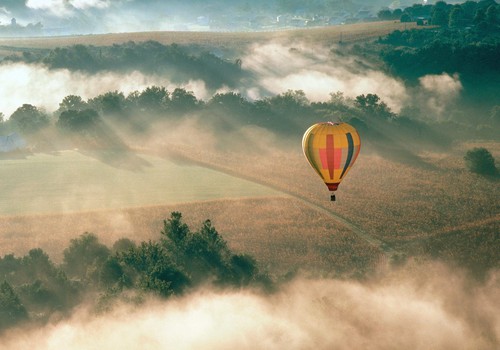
(479, 160)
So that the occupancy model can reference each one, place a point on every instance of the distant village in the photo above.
(299, 20)
(15, 29)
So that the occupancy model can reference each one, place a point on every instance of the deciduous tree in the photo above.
(29, 119)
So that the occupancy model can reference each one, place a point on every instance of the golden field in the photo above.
(403, 207)
(328, 35)
(281, 233)
(409, 212)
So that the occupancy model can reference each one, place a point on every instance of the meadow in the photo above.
(71, 181)
(286, 236)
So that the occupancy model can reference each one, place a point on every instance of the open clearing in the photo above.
(70, 181)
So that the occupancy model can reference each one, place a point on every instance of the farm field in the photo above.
(436, 219)
(70, 181)
(287, 235)
(430, 194)
(231, 40)
(405, 206)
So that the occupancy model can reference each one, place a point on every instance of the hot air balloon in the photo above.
(331, 149)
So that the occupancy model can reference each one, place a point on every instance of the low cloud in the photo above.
(61, 8)
(84, 4)
(55, 7)
(417, 307)
(5, 16)
(275, 68)
(318, 72)
(440, 91)
(44, 88)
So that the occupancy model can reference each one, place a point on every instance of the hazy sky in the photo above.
(96, 16)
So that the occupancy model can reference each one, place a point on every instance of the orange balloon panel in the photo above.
(331, 149)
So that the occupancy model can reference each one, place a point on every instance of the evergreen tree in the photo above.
(11, 310)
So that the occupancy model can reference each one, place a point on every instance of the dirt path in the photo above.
(383, 246)
(388, 251)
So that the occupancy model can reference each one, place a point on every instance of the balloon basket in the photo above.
(332, 197)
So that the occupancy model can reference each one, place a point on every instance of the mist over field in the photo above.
(37, 85)
(315, 71)
(318, 72)
(428, 306)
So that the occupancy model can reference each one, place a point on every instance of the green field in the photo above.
(70, 181)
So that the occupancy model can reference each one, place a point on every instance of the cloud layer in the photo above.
(439, 91)
(65, 7)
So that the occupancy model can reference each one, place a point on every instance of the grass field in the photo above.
(388, 198)
(328, 35)
(48, 199)
(70, 181)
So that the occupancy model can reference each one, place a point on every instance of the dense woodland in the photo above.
(148, 57)
(90, 123)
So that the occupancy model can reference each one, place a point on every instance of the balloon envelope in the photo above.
(331, 149)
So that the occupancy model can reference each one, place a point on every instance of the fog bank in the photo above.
(45, 88)
(434, 308)
(317, 71)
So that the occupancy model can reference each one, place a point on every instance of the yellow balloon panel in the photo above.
(331, 149)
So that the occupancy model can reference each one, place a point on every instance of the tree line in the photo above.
(33, 288)
(483, 14)
(415, 53)
(180, 63)
(90, 123)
